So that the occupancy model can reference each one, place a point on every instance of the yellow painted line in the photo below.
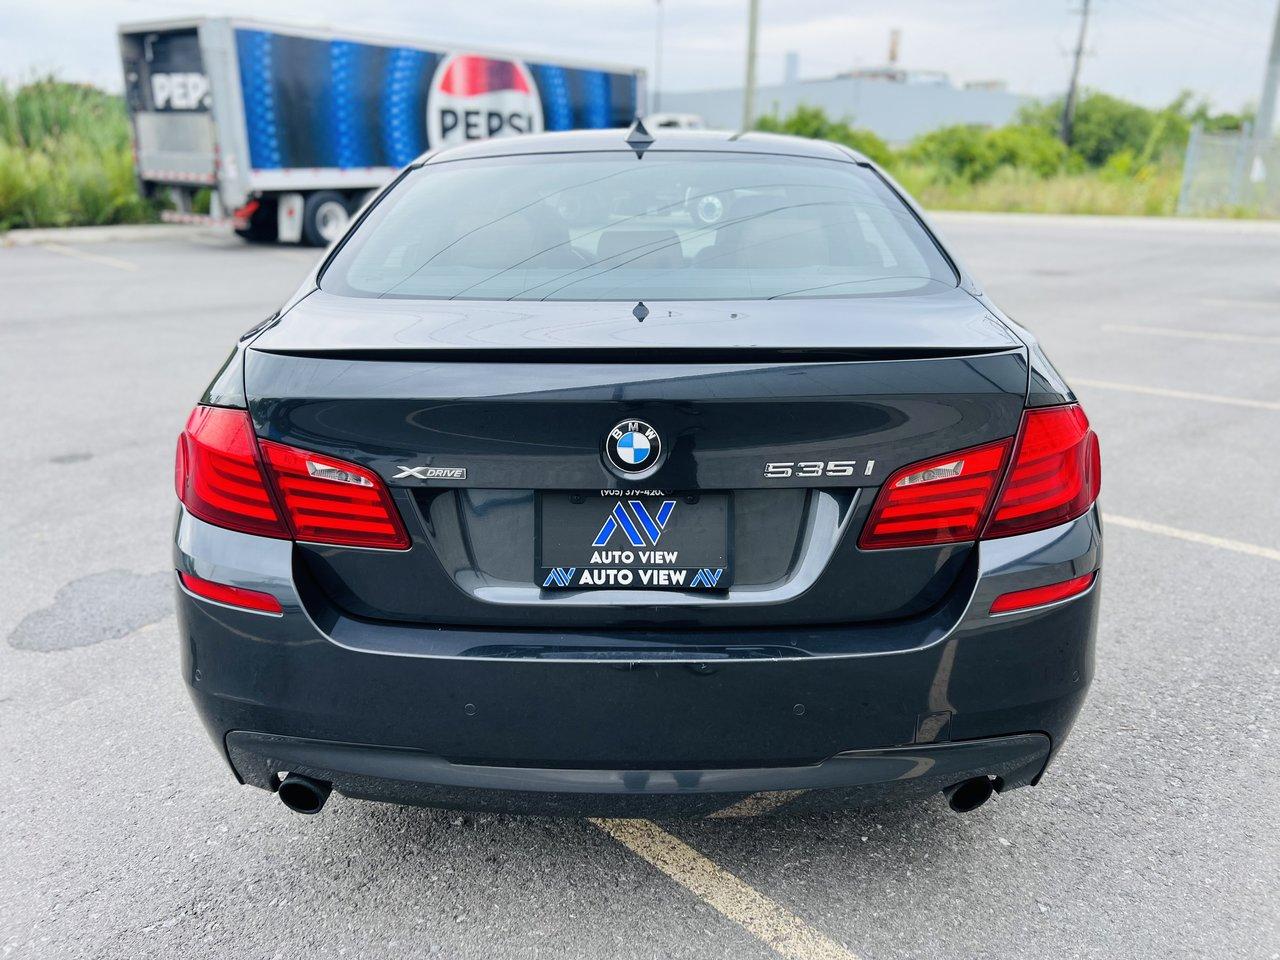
(1177, 394)
(784, 932)
(757, 804)
(1192, 334)
(1192, 536)
(99, 258)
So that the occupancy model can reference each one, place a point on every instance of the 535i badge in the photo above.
(782, 470)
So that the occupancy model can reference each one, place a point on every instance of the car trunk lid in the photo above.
(781, 418)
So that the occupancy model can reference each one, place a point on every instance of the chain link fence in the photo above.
(1226, 172)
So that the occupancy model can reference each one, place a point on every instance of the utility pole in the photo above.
(657, 62)
(1265, 123)
(749, 92)
(1069, 107)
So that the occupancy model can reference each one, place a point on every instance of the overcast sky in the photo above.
(1147, 50)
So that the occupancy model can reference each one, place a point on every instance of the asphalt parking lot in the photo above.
(1157, 834)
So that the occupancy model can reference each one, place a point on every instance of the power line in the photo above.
(1178, 17)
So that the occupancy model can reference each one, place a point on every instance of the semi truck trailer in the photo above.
(291, 128)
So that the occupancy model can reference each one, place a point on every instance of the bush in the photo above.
(958, 153)
(65, 158)
(972, 154)
(1028, 148)
(1105, 126)
(812, 122)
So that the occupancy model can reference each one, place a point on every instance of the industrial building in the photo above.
(895, 103)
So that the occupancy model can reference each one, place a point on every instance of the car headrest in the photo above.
(643, 249)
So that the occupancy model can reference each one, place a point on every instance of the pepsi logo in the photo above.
(475, 98)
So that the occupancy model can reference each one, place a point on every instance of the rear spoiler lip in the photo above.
(634, 354)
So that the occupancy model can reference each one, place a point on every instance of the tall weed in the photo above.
(65, 158)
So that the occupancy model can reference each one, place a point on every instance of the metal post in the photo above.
(749, 92)
(1265, 122)
(1069, 105)
(1249, 163)
(657, 62)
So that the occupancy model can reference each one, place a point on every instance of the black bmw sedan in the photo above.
(594, 473)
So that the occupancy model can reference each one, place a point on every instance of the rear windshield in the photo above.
(676, 226)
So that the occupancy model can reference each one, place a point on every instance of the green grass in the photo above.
(1011, 190)
(65, 158)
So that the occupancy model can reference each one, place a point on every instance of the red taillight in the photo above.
(943, 500)
(1040, 596)
(332, 501)
(231, 596)
(1055, 476)
(218, 476)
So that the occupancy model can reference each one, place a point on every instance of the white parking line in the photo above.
(1239, 546)
(1176, 394)
(1192, 334)
(99, 258)
(1235, 303)
(784, 932)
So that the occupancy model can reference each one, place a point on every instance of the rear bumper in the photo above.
(674, 722)
(853, 778)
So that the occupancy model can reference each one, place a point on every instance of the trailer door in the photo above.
(167, 90)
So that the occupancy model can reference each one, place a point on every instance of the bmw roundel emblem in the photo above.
(633, 447)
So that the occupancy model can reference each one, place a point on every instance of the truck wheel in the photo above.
(324, 218)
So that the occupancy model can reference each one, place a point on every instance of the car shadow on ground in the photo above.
(895, 832)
